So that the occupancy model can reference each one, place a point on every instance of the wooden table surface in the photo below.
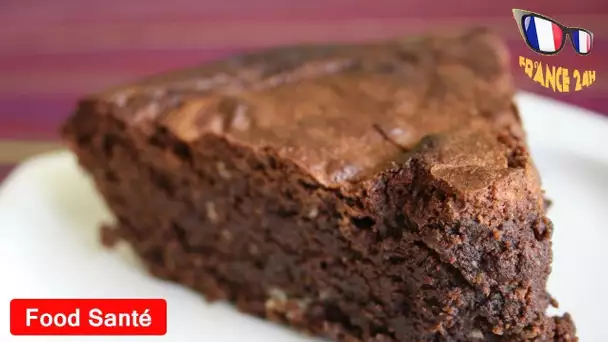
(52, 52)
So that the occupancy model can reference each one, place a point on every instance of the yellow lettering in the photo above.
(538, 77)
(529, 67)
(577, 76)
(585, 78)
(558, 74)
(556, 78)
(550, 77)
(565, 80)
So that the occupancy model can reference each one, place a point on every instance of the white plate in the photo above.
(49, 214)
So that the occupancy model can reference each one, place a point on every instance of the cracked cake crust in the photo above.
(378, 193)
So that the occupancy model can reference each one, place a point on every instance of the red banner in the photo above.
(88, 317)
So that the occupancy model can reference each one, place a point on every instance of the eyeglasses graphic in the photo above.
(547, 36)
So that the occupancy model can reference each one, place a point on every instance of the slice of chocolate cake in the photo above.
(379, 192)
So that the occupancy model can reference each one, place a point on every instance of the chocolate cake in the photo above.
(375, 192)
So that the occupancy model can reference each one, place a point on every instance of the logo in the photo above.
(546, 36)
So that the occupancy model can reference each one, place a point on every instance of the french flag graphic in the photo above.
(542, 34)
(581, 41)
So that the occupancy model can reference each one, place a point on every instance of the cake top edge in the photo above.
(341, 112)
